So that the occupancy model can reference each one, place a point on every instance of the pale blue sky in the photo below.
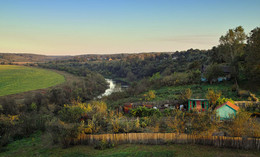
(62, 27)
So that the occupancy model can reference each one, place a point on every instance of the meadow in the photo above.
(17, 79)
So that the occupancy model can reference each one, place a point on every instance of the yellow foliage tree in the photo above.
(150, 95)
(213, 96)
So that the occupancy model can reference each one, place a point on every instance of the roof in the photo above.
(235, 107)
(199, 99)
(226, 69)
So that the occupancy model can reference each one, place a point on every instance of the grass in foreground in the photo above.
(38, 145)
(17, 79)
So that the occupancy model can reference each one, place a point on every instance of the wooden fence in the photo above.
(164, 138)
(245, 104)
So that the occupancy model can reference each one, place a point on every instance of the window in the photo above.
(203, 104)
(193, 104)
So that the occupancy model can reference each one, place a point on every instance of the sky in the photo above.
(73, 27)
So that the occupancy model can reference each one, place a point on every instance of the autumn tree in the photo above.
(150, 95)
(185, 95)
(213, 96)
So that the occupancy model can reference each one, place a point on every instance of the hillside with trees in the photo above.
(229, 71)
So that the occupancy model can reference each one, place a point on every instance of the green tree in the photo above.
(195, 76)
(73, 113)
(216, 55)
(130, 76)
(233, 47)
(195, 65)
(213, 71)
(253, 55)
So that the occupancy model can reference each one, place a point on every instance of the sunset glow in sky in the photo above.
(72, 27)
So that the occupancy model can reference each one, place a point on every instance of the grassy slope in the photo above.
(198, 91)
(16, 79)
(38, 145)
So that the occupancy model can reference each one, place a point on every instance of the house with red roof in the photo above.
(226, 110)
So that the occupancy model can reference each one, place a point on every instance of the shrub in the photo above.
(243, 93)
(66, 133)
(213, 96)
(103, 144)
(150, 95)
(155, 77)
(145, 112)
(115, 124)
(33, 106)
(136, 127)
(177, 122)
(167, 112)
(244, 125)
(9, 106)
(185, 95)
(99, 108)
(145, 121)
(7, 129)
(221, 101)
(253, 97)
(204, 123)
(73, 113)
(176, 79)
(92, 126)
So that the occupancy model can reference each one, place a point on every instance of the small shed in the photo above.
(127, 107)
(198, 104)
(226, 110)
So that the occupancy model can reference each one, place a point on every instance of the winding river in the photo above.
(113, 87)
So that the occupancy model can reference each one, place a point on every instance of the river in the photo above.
(113, 87)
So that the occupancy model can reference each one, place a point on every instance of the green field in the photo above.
(41, 145)
(17, 79)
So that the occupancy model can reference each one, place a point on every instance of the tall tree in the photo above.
(253, 55)
(234, 43)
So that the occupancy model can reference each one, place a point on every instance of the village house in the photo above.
(226, 110)
(225, 69)
(198, 104)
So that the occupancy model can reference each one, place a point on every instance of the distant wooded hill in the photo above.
(6, 58)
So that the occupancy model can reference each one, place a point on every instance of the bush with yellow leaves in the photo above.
(243, 125)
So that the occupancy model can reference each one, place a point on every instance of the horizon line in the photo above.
(114, 53)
